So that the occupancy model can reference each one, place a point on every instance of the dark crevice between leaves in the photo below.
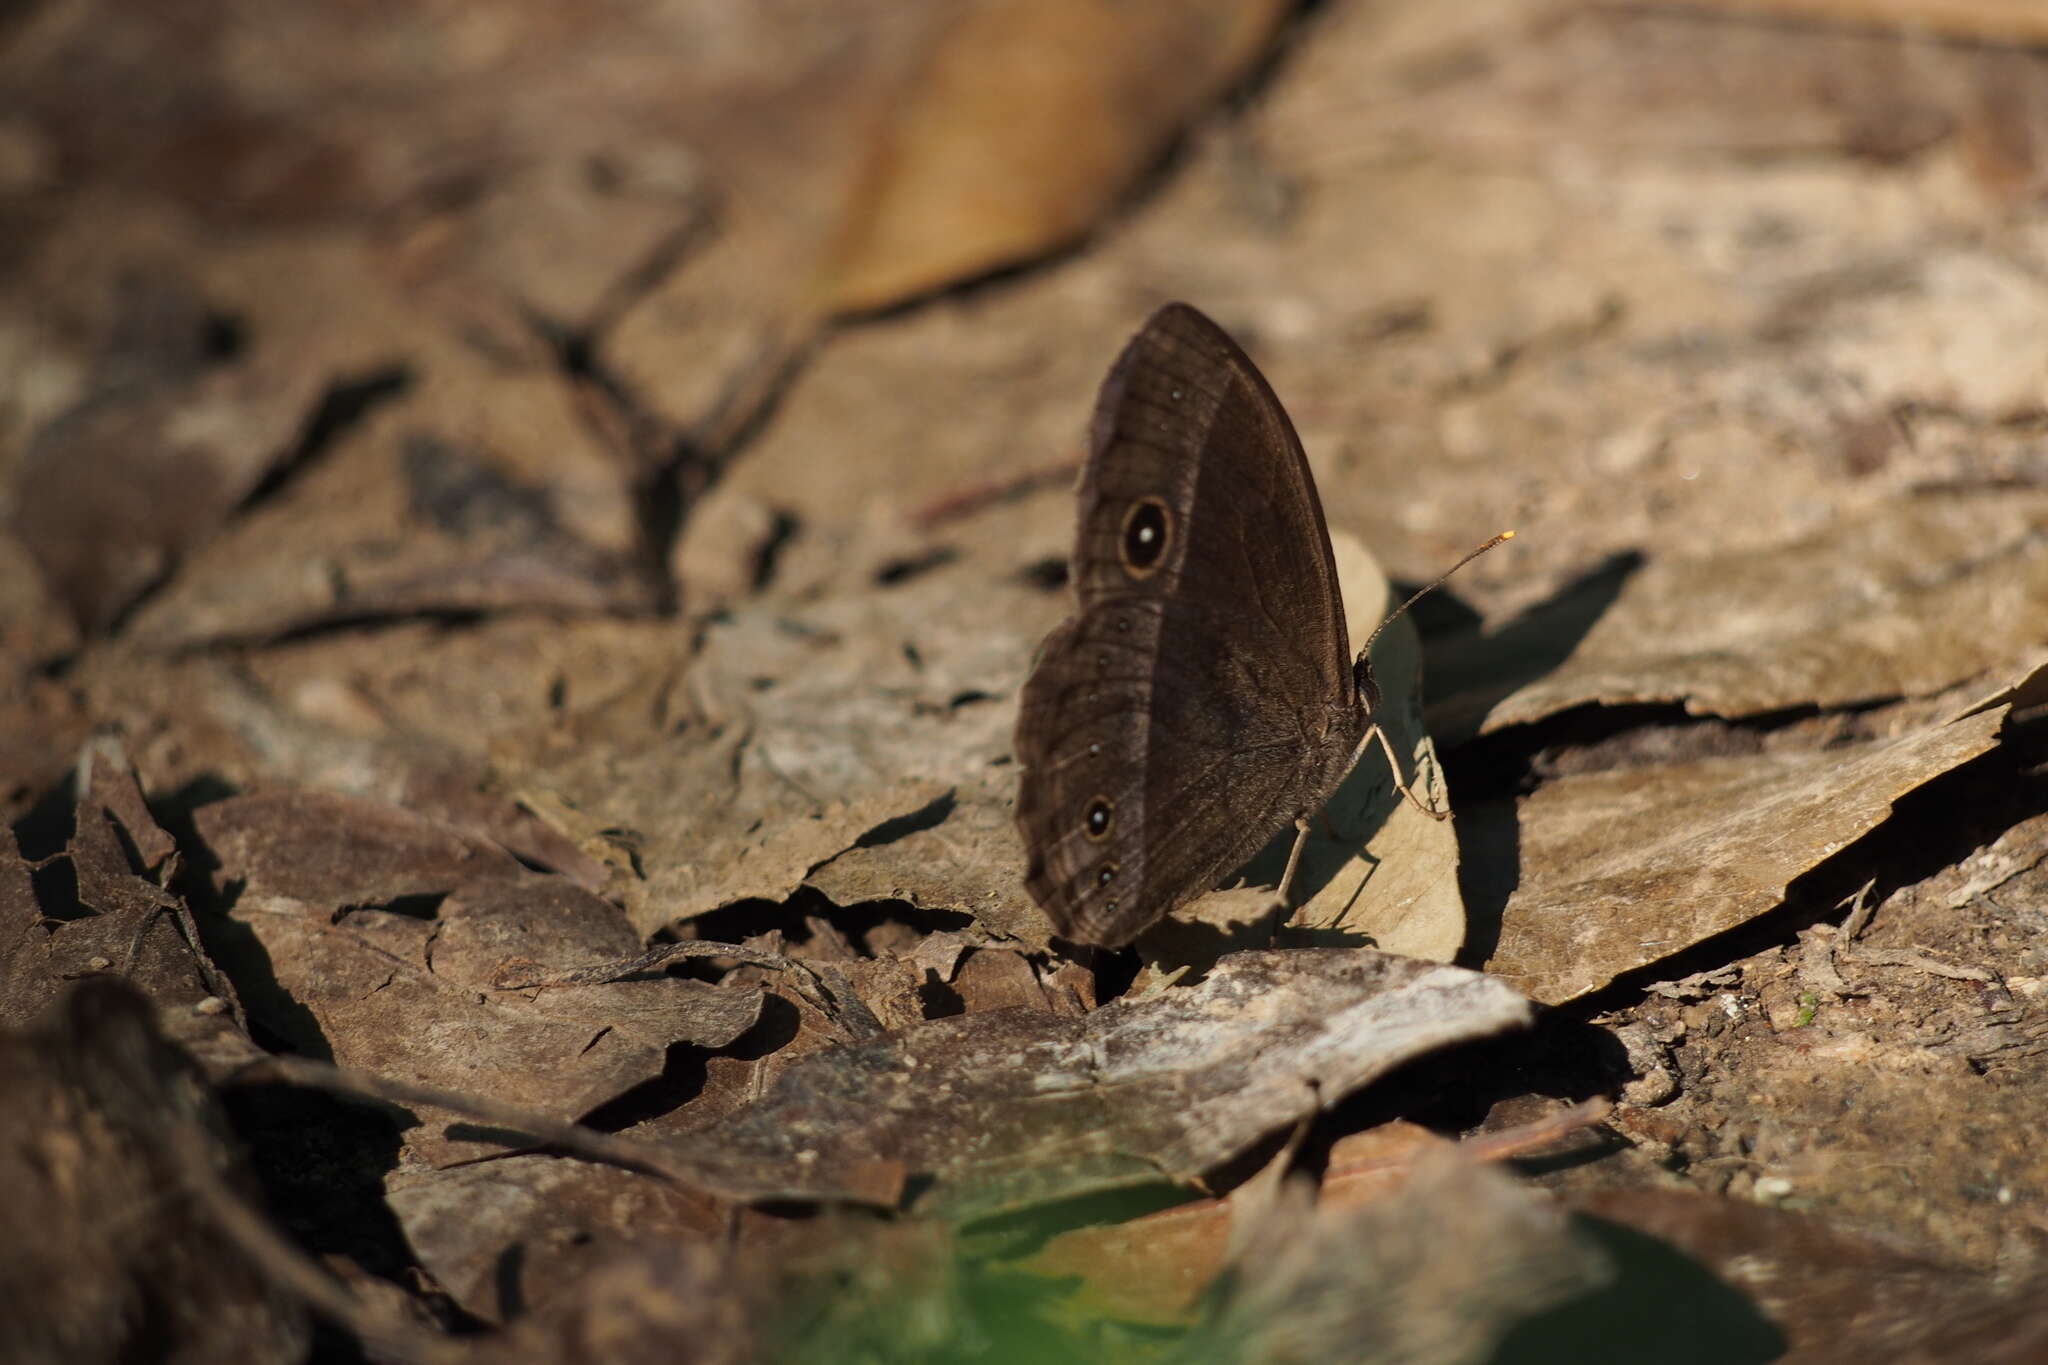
(902, 570)
(1453, 1091)
(47, 826)
(930, 815)
(1598, 737)
(176, 812)
(781, 531)
(425, 905)
(1114, 969)
(55, 882)
(858, 922)
(938, 999)
(1931, 828)
(346, 404)
(223, 338)
(1048, 574)
(621, 420)
(686, 1068)
(744, 919)
(278, 1020)
(324, 1160)
(356, 623)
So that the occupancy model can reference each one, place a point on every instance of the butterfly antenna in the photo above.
(1421, 593)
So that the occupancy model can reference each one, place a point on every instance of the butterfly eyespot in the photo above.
(1095, 751)
(1102, 661)
(1100, 816)
(1147, 528)
(1123, 623)
(1106, 875)
(1109, 907)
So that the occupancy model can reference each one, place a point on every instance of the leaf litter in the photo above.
(346, 496)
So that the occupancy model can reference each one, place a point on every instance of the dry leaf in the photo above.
(1902, 602)
(1021, 128)
(481, 492)
(897, 787)
(382, 932)
(1620, 869)
(165, 440)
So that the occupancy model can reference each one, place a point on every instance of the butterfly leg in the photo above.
(1394, 767)
(1286, 887)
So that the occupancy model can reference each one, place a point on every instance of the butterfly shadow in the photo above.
(1473, 673)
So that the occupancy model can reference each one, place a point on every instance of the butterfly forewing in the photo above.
(1178, 718)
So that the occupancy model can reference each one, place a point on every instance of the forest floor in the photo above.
(491, 493)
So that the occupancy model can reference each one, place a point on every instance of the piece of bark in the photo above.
(1013, 1108)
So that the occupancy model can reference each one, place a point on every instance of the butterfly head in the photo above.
(1368, 686)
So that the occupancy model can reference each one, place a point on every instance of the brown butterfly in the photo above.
(1204, 695)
